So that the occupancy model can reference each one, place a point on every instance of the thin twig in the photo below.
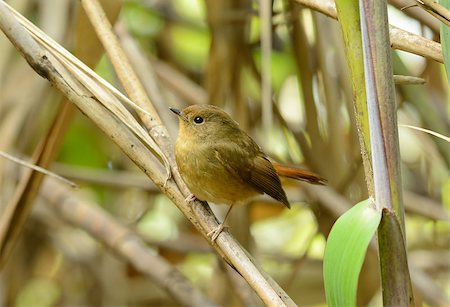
(435, 9)
(266, 49)
(38, 169)
(409, 9)
(408, 80)
(445, 138)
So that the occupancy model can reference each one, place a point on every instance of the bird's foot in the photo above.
(214, 234)
(190, 198)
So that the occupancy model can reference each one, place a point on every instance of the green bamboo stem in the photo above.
(395, 279)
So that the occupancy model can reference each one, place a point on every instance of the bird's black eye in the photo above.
(198, 120)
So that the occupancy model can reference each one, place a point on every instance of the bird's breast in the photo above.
(207, 177)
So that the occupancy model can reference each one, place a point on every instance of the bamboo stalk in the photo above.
(382, 112)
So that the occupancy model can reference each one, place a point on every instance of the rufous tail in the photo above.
(299, 174)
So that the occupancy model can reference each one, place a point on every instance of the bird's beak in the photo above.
(178, 113)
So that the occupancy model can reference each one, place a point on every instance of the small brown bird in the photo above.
(221, 163)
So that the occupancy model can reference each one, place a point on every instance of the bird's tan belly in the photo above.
(209, 180)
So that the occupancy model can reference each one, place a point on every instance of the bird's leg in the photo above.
(190, 198)
(214, 234)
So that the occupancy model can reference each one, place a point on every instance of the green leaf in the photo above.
(345, 250)
(445, 41)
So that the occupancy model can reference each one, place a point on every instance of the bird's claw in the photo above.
(214, 234)
(190, 198)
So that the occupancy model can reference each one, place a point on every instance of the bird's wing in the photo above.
(264, 176)
(250, 165)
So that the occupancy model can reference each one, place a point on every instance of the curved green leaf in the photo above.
(345, 250)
